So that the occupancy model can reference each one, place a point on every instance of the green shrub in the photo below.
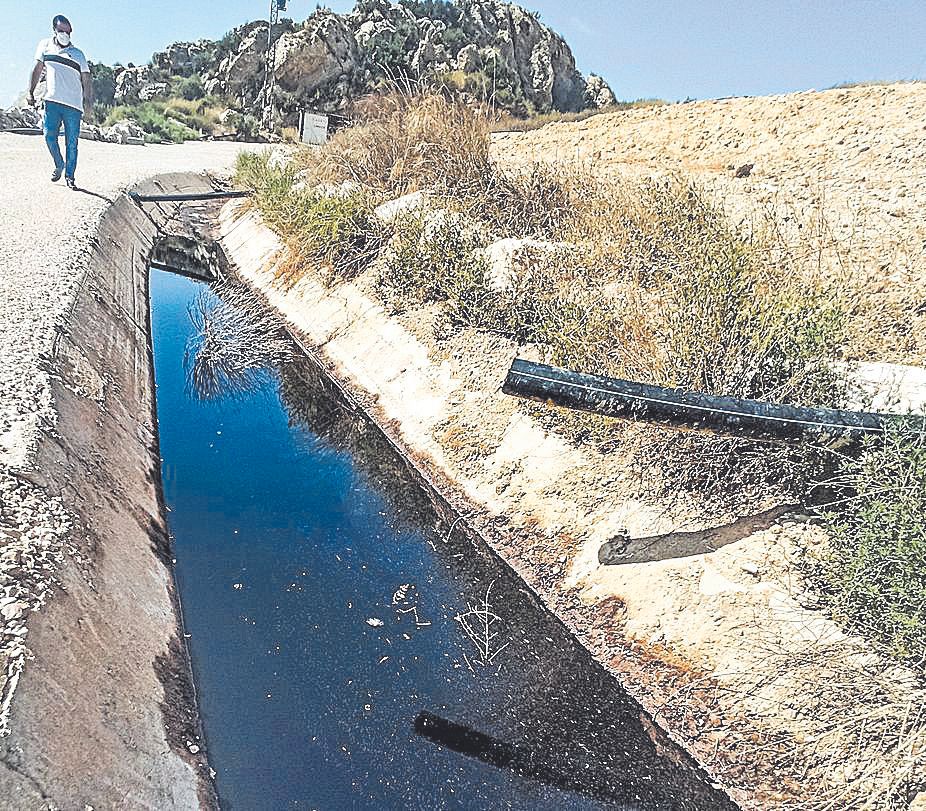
(873, 572)
(435, 258)
(440, 258)
(103, 81)
(247, 126)
(151, 117)
(191, 88)
(339, 234)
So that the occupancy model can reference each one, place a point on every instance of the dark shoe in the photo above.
(71, 184)
(56, 175)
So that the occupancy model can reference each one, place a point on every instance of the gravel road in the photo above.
(45, 230)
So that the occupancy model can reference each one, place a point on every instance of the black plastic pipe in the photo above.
(182, 198)
(692, 411)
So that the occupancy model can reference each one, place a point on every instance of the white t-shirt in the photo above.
(63, 69)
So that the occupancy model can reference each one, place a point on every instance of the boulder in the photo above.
(245, 67)
(19, 117)
(344, 189)
(390, 211)
(182, 58)
(468, 59)
(598, 93)
(126, 131)
(91, 132)
(322, 52)
(511, 261)
(154, 90)
(129, 82)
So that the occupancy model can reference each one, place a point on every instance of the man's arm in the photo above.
(88, 92)
(34, 80)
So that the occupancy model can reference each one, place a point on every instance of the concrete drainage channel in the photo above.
(333, 600)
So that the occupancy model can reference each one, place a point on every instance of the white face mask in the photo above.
(63, 39)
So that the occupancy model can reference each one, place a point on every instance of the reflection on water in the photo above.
(323, 595)
(233, 342)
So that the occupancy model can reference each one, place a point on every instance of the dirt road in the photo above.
(44, 232)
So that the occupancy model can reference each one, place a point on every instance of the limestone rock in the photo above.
(469, 59)
(182, 58)
(342, 190)
(323, 51)
(129, 82)
(17, 117)
(153, 90)
(242, 70)
(126, 131)
(90, 132)
(390, 211)
(511, 261)
(537, 59)
(330, 59)
(598, 93)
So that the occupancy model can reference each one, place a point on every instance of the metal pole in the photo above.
(269, 65)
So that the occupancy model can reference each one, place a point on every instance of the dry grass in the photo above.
(650, 282)
(857, 730)
(506, 122)
(403, 143)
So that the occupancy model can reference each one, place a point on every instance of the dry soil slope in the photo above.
(853, 156)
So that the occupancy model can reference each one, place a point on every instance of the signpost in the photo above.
(276, 7)
(313, 129)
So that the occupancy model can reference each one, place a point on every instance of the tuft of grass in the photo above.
(338, 234)
(402, 143)
(872, 574)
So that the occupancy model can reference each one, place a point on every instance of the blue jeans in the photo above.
(55, 115)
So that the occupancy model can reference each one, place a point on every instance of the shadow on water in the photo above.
(351, 650)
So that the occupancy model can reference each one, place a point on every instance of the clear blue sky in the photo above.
(670, 49)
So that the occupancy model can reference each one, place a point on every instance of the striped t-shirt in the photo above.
(63, 67)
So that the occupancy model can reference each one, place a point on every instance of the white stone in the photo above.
(510, 260)
(390, 211)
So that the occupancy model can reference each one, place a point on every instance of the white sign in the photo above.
(314, 129)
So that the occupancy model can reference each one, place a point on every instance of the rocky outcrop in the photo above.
(598, 94)
(500, 49)
(322, 51)
(183, 58)
(240, 74)
(539, 59)
(129, 83)
(486, 50)
(125, 132)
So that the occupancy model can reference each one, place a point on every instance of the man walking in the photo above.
(69, 92)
